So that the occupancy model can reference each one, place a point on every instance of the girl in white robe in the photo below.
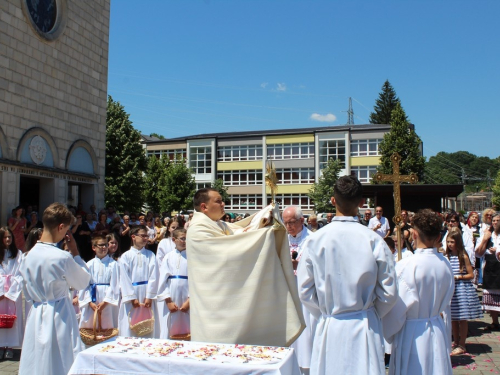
(138, 282)
(101, 291)
(167, 244)
(10, 293)
(173, 290)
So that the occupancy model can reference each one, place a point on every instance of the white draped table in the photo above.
(127, 356)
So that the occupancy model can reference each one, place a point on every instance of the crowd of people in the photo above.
(125, 268)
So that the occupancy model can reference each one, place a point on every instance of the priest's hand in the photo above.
(135, 303)
(93, 306)
(185, 306)
(147, 302)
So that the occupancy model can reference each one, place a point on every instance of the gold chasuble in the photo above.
(241, 283)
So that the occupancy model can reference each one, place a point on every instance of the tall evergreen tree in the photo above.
(322, 191)
(179, 188)
(402, 139)
(384, 105)
(125, 161)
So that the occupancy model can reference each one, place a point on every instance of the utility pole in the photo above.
(350, 113)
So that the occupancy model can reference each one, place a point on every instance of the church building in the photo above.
(53, 93)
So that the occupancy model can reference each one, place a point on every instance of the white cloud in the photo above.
(263, 85)
(329, 117)
(281, 87)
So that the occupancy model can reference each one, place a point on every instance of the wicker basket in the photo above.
(181, 337)
(92, 336)
(144, 327)
(8, 320)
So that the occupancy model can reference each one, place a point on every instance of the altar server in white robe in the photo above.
(166, 245)
(138, 282)
(102, 293)
(420, 337)
(173, 290)
(347, 281)
(52, 339)
(10, 293)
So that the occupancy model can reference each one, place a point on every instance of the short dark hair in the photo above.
(201, 196)
(428, 224)
(390, 242)
(348, 193)
(138, 228)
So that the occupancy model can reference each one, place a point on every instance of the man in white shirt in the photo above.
(379, 224)
(347, 281)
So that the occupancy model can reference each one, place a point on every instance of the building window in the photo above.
(295, 175)
(365, 147)
(285, 200)
(243, 177)
(202, 185)
(239, 153)
(172, 154)
(364, 174)
(332, 149)
(244, 202)
(201, 159)
(290, 151)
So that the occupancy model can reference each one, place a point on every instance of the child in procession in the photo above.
(173, 291)
(138, 282)
(102, 292)
(464, 303)
(10, 293)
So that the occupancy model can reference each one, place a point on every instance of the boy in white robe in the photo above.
(420, 337)
(347, 281)
(138, 282)
(173, 290)
(101, 294)
(52, 339)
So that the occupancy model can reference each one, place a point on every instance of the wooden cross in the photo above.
(396, 179)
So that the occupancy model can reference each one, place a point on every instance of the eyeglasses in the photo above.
(102, 245)
(290, 223)
(452, 221)
(142, 235)
(183, 239)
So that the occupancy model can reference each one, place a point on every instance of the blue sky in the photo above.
(191, 67)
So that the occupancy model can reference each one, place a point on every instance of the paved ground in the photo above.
(483, 355)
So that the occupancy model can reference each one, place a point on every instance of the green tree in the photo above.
(322, 191)
(219, 186)
(159, 136)
(155, 181)
(384, 105)
(179, 187)
(125, 160)
(402, 139)
(496, 192)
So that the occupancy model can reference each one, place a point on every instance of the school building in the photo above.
(299, 155)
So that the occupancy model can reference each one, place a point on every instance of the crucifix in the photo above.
(396, 179)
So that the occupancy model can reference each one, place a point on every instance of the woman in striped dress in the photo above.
(465, 302)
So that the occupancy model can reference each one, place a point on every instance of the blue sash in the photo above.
(93, 291)
(140, 283)
(178, 277)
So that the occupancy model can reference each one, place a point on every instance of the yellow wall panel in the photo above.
(361, 161)
(238, 165)
(292, 189)
(295, 138)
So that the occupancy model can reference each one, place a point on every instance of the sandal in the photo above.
(459, 350)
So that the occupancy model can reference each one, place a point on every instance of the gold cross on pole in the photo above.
(396, 179)
(271, 179)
